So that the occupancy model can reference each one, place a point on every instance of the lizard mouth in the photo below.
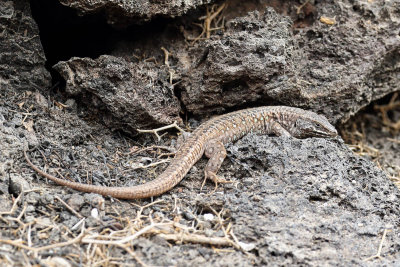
(326, 134)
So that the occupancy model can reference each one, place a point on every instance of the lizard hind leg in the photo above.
(216, 152)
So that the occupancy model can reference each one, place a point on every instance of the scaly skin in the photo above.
(209, 139)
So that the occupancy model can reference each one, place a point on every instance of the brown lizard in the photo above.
(209, 139)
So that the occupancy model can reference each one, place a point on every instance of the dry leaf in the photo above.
(328, 21)
(28, 125)
(60, 105)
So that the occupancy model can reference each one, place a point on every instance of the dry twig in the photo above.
(101, 239)
(384, 109)
(77, 214)
(155, 131)
(166, 55)
(195, 238)
(378, 254)
(299, 8)
(37, 249)
(209, 18)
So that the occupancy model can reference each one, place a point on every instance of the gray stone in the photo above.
(21, 54)
(119, 12)
(126, 95)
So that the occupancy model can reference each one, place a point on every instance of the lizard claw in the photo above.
(215, 178)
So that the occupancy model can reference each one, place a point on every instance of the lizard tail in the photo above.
(167, 180)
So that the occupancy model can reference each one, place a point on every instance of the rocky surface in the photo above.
(118, 12)
(125, 95)
(245, 65)
(292, 202)
(314, 202)
(334, 69)
(21, 55)
(264, 58)
(353, 62)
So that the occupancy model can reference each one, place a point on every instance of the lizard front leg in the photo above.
(216, 152)
(278, 130)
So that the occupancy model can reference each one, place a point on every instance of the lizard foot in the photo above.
(215, 178)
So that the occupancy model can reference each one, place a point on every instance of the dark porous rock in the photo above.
(332, 69)
(17, 184)
(347, 65)
(21, 54)
(317, 203)
(118, 11)
(250, 60)
(126, 95)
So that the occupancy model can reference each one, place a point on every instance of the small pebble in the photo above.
(94, 213)
(208, 217)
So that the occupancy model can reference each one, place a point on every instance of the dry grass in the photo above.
(106, 246)
(213, 20)
(355, 133)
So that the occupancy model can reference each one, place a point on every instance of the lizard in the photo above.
(209, 139)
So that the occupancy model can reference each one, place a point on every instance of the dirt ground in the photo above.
(261, 218)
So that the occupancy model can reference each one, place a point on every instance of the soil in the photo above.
(291, 202)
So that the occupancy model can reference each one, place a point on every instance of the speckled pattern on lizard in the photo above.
(209, 139)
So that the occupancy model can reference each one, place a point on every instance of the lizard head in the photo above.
(313, 125)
